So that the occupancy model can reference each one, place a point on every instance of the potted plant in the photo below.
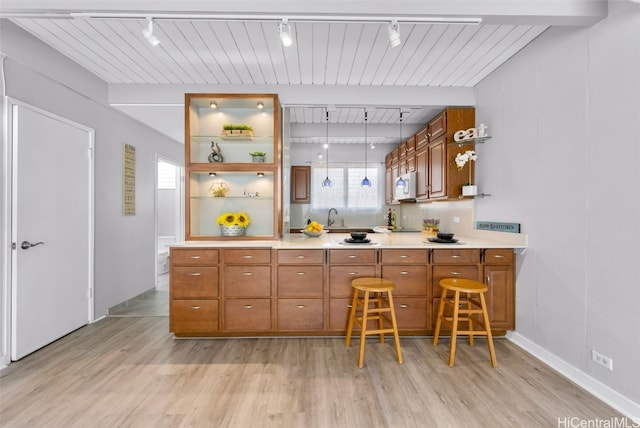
(461, 160)
(431, 227)
(258, 156)
(237, 130)
(233, 224)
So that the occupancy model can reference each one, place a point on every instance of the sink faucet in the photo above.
(330, 221)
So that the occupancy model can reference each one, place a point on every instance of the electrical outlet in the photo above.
(603, 360)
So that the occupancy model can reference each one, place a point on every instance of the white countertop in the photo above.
(378, 240)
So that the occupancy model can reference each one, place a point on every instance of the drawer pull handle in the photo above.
(300, 306)
(455, 256)
(247, 257)
(352, 256)
(404, 272)
(247, 306)
(195, 274)
(247, 273)
(404, 305)
(300, 273)
(195, 307)
(499, 256)
(353, 273)
(404, 256)
(456, 273)
(349, 306)
(195, 257)
(299, 257)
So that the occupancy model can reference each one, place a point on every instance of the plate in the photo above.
(357, 241)
(313, 234)
(442, 241)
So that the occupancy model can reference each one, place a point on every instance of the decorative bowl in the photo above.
(358, 236)
(445, 236)
(313, 234)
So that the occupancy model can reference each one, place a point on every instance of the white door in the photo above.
(52, 256)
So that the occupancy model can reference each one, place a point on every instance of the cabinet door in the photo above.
(422, 168)
(437, 126)
(437, 155)
(340, 278)
(247, 314)
(421, 138)
(197, 282)
(247, 281)
(500, 296)
(300, 281)
(193, 316)
(300, 314)
(409, 280)
(411, 313)
(300, 184)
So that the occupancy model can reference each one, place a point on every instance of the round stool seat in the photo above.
(463, 285)
(373, 284)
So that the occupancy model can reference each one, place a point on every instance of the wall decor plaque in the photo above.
(129, 181)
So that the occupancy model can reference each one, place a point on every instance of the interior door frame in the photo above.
(9, 177)
(180, 220)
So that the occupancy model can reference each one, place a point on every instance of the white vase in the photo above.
(470, 190)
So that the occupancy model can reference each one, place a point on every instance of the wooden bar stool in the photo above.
(374, 290)
(473, 304)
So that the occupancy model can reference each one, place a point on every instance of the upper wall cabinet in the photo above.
(232, 157)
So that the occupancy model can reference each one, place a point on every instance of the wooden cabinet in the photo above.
(408, 269)
(221, 175)
(193, 291)
(437, 168)
(300, 184)
(300, 285)
(247, 289)
(499, 275)
(265, 291)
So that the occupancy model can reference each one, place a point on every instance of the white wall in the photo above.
(124, 246)
(563, 114)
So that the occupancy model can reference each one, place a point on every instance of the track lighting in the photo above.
(213, 104)
(260, 105)
(327, 182)
(394, 33)
(148, 34)
(285, 33)
(261, 174)
(212, 174)
(400, 182)
(365, 181)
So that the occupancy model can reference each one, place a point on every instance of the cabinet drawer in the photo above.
(300, 256)
(455, 256)
(196, 282)
(300, 314)
(498, 256)
(352, 256)
(404, 256)
(247, 256)
(411, 313)
(440, 272)
(247, 314)
(339, 310)
(245, 281)
(340, 278)
(300, 281)
(194, 316)
(409, 280)
(193, 257)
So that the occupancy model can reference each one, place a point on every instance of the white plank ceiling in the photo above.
(219, 53)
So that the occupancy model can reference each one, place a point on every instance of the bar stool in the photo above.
(374, 290)
(463, 311)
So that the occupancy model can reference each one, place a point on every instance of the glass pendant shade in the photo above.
(400, 182)
(327, 182)
(365, 182)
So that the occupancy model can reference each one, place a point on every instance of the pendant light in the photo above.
(400, 182)
(327, 182)
(365, 181)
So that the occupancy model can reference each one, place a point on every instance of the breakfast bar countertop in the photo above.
(378, 240)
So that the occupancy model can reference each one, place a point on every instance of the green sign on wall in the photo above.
(498, 227)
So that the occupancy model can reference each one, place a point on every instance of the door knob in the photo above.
(25, 245)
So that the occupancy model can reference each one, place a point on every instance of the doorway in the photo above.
(51, 212)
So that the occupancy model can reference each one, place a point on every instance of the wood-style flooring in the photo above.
(130, 372)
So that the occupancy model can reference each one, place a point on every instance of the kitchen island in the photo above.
(301, 285)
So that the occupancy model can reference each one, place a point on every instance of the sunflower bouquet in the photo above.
(232, 224)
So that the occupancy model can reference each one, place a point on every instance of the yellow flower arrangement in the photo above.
(234, 219)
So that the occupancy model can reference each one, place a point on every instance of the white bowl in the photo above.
(313, 234)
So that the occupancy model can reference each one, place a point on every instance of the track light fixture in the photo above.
(400, 182)
(285, 33)
(260, 105)
(327, 182)
(260, 174)
(394, 33)
(148, 33)
(212, 174)
(213, 104)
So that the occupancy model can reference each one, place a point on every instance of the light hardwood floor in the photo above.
(130, 372)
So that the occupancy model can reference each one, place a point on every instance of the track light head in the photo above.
(260, 105)
(394, 33)
(213, 104)
(148, 34)
(285, 33)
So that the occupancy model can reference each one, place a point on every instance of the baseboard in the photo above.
(613, 398)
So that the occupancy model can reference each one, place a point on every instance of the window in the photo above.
(346, 191)
(167, 174)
